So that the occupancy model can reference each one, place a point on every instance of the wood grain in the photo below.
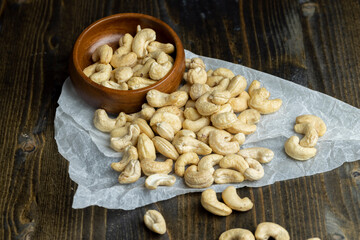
(312, 43)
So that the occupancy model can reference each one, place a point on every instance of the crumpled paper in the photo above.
(90, 156)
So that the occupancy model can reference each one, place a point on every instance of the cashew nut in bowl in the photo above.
(89, 70)
(141, 41)
(114, 85)
(131, 173)
(259, 101)
(183, 160)
(103, 54)
(164, 47)
(220, 142)
(198, 179)
(265, 230)
(146, 148)
(261, 154)
(155, 221)
(237, 233)
(139, 82)
(120, 143)
(150, 167)
(234, 161)
(255, 170)
(223, 176)
(130, 153)
(189, 144)
(104, 123)
(124, 45)
(122, 74)
(159, 179)
(295, 151)
(126, 60)
(208, 162)
(232, 199)
(164, 147)
(102, 73)
(158, 71)
(210, 202)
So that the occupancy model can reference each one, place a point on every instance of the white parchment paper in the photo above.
(90, 156)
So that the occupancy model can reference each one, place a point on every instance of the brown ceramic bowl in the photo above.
(108, 30)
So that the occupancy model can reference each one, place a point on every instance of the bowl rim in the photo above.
(180, 54)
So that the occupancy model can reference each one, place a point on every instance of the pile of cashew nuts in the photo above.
(312, 127)
(209, 116)
(140, 61)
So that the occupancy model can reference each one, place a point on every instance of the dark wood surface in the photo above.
(313, 43)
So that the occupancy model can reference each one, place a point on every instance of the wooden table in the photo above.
(315, 44)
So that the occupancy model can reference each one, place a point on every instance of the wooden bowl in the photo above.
(108, 30)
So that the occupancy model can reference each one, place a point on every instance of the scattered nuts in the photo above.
(265, 230)
(294, 150)
(155, 180)
(237, 233)
(232, 199)
(210, 202)
(155, 221)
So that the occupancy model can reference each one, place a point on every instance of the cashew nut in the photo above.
(139, 82)
(159, 179)
(144, 127)
(192, 114)
(195, 75)
(89, 70)
(171, 119)
(125, 45)
(189, 144)
(103, 54)
(234, 161)
(249, 116)
(186, 88)
(219, 97)
(240, 103)
(197, 179)
(150, 167)
(223, 176)
(131, 173)
(253, 86)
(165, 130)
(102, 73)
(204, 106)
(265, 230)
(114, 85)
(104, 123)
(223, 120)
(241, 127)
(311, 135)
(142, 40)
(164, 47)
(237, 85)
(126, 60)
(232, 199)
(165, 148)
(155, 221)
(212, 81)
(156, 98)
(184, 160)
(227, 73)
(194, 63)
(263, 155)
(319, 124)
(190, 103)
(183, 133)
(255, 170)
(203, 134)
(237, 233)
(120, 143)
(129, 154)
(121, 131)
(210, 202)
(208, 162)
(122, 74)
(158, 71)
(174, 110)
(294, 150)
(196, 125)
(259, 101)
(197, 90)
(143, 71)
(221, 142)
(146, 148)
